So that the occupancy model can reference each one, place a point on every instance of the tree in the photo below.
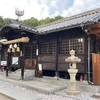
(57, 17)
(32, 22)
(1, 21)
(5, 20)
(48, 20)
(45, 21)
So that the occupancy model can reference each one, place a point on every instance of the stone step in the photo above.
(28, 74)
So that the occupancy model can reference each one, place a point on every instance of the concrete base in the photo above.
(73, 92)
(55, 77)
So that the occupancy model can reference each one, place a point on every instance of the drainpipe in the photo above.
(89, 81)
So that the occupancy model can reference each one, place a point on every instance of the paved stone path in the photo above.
(46, 88)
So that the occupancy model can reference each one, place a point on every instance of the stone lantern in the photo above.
(72, 60)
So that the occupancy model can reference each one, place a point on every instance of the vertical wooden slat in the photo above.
(94, 67)
(98, 68)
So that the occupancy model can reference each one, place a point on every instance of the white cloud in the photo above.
(32, 10)
(46, 8)
(82, 6)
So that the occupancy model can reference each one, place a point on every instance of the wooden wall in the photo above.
(57, 60)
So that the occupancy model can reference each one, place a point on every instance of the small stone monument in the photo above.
(72, 60)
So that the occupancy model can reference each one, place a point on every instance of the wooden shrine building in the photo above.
(48, 45)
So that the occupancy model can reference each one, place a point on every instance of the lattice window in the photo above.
(30, 51)
(34, 51)
(71, 44)
(44, 48)
(64, 47)
(48, 48)
(27, 52)
(52, 48)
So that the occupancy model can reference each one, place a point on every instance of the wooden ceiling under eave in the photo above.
(93, 29)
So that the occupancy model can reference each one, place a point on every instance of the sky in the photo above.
(41, 9)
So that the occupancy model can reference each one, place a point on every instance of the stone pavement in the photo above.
(48, 85)
(7, 87)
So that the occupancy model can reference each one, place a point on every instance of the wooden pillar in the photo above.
(95, 44)
(38, 73)
(85, 58)
(22, 67)
(57, 51)
(22, 61)
(8, 61)
(37, 52)
(8, 64)
(88, 59)
(0, 51)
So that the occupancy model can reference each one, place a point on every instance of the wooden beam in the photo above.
(95, 26)
(23, 39)
(98, 34)
(94, 31)
(98, 37)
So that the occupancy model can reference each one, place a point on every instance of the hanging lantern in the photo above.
(18, 49)
(8, 50)
(13, 49)
(10, 46)
(15, 45)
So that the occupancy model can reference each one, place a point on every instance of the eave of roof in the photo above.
(20, 26)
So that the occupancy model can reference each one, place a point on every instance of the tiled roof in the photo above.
(88, 17)
(17, 25)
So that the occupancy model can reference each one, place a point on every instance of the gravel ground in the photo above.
(60, 95)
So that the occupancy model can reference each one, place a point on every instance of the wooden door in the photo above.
(96, 68)
(30, 56)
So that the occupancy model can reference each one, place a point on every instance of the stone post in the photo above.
(72, 60)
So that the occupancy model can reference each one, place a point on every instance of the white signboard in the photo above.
(40, 66)
(3, 63)
(15, 60)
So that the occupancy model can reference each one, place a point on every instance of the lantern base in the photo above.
(73, 92)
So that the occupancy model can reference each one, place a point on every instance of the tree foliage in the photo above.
(32, 21)
(48, 20)
(1, 21)
(6, 20)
